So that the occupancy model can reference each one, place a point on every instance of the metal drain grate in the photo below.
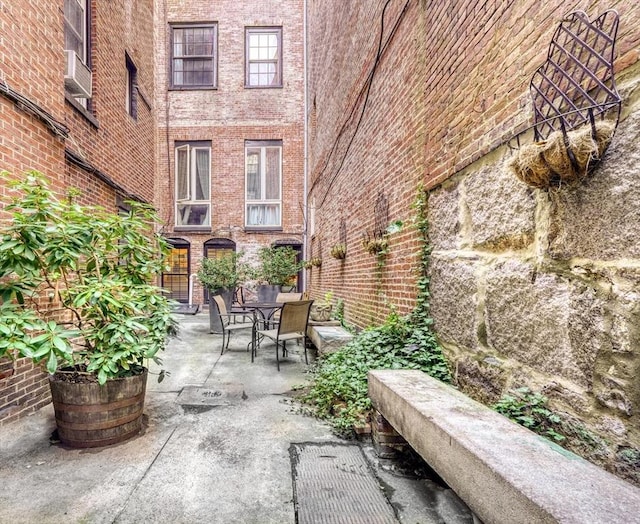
(334, 484)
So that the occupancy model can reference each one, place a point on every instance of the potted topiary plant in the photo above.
(77, 294)
(221, 276)
(278, 267)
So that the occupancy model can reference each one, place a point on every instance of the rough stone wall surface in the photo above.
(402, 92)
(528, 287)
(105, 135)
(553, 306)
(227, 116)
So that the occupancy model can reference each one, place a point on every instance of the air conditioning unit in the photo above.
(77, 76)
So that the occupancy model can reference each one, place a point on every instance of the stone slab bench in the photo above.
(502, 471)
(327, 336)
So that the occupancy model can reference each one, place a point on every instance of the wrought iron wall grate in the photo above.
(576, 83)
(576, 105)
(342, 231)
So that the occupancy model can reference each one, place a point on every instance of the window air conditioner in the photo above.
(77, 76)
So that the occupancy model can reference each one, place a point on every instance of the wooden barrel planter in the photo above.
(89, 415)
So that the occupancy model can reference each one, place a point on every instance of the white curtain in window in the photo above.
(263, 215)
(202, 175)
(272, 173)
(182, 173)
(253, 174)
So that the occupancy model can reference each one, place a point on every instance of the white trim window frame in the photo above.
(75, 27)
(263, 184)
(263, 57)
(76, 34)
(193, 185)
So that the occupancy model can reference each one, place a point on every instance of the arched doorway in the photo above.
(176, 279)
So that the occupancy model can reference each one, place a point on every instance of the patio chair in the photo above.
(281, 299)
(294, 318)
(229, 327)
(237, 307)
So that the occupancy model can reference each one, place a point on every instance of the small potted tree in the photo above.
(77, 294)
(221, 276)
(278, 267)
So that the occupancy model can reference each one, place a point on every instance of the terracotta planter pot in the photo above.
(89, 415)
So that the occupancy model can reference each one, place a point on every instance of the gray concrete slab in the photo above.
(203, 457)
(504, 472)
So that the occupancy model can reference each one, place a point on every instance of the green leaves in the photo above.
(339, 391)
(530, 410)
(76, 282)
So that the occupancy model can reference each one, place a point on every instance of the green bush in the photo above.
(77, 282)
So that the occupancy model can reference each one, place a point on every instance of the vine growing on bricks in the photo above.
(339, 391)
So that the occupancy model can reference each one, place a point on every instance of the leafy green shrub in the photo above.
(339, 392)
(77, 282)
(529, 409)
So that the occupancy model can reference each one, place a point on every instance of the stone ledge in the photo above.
(327, 336)
(503, 472)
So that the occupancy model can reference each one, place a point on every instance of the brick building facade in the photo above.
(104, 144)
(528, 287)
(230, 151)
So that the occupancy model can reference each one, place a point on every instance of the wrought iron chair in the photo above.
(294, 318)
(228, 326)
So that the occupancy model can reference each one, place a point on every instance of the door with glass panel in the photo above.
(175, 280)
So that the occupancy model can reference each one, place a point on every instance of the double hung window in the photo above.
(263, 57)
(263, 168)
(75, 24)
(193, 182)
(193, 56)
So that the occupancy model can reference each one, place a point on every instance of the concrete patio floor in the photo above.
(215, 449)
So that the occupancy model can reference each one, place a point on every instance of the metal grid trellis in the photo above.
(576, 83)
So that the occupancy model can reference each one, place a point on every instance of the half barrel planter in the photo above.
(89, 415)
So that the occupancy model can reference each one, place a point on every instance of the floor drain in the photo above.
(195, 397)
(334, 484)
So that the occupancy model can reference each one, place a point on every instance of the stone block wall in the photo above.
(540, 289)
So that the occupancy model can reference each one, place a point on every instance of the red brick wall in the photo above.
(123, 150)
(451, 85)
(229, 115)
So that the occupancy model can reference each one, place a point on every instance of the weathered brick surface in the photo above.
(450, 86)
(119, 147)
(229, 115)
(527, 287)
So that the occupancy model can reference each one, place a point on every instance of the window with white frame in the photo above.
(193, 56)
(75, 27)
(77, 40)
(193, 182)
(263, 168)
(263, 47)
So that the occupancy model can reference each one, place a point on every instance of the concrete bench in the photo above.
(503, 472)
(327, 336)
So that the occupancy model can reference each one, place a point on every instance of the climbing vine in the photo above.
(339, 390)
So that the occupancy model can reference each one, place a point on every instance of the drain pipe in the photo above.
(191, 288)
(305, 168)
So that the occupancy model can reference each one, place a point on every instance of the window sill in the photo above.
(80, 109)
(193, 88)
(263, 87)
(201, 229)
(262, 229)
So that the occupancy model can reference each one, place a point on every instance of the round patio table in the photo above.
(262, 312)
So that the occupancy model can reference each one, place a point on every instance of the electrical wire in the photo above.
(366, 89)
(27, 105)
